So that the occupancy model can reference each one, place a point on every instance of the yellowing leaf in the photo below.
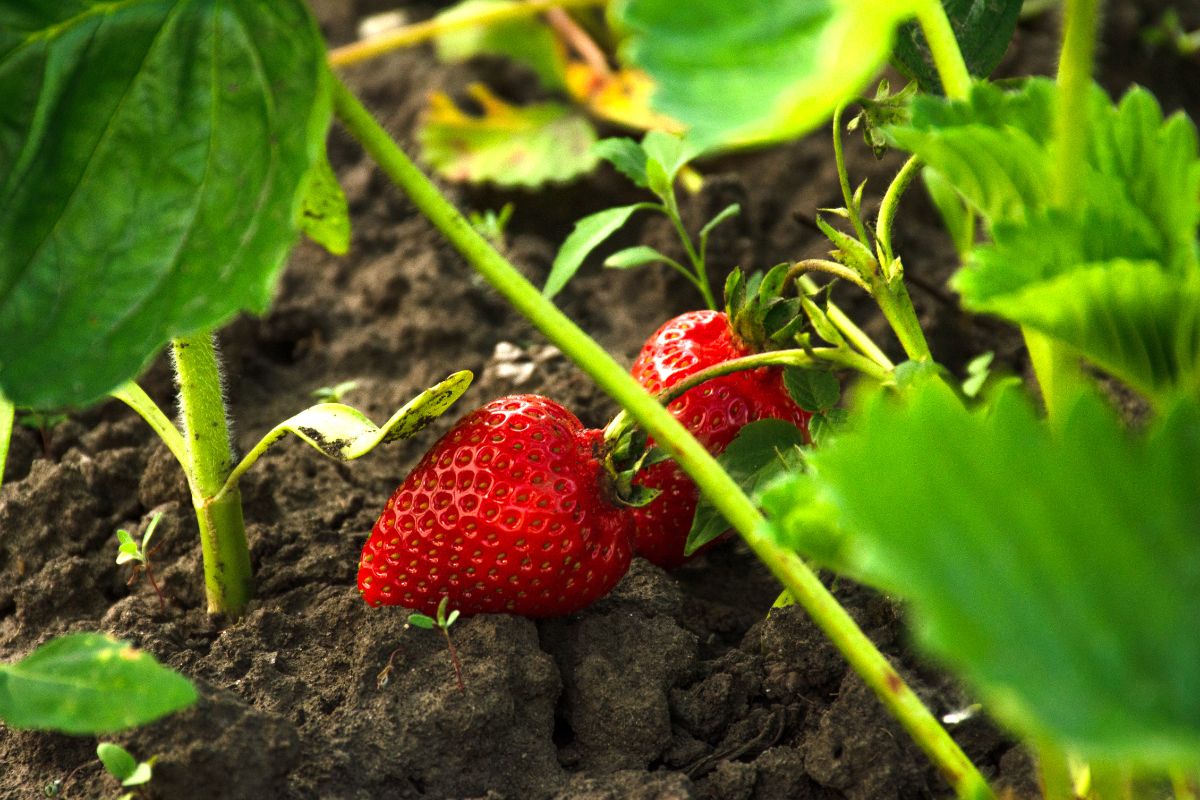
(622, 97)
(507, 145)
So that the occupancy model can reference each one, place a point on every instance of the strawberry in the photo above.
(713, 412)
(509, 512)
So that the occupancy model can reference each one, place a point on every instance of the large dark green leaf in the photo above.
(744, 73)
(153, 159)
(983, 29)
(89, 683)
(1058, 569)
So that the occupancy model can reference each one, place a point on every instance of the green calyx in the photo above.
(760, 316)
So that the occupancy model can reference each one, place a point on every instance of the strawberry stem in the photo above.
(645, 409)
(208, 461)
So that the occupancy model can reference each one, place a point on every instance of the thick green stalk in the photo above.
(209, 460)
(943, 46)
(8, 413)
(896, 304)
(670, 434)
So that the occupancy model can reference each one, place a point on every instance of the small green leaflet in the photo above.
(983, 29)
(1058, 572)
(325, 218)
(813, 390)
(762, 451)
(145, 191)
(627, 156)
(636, 256)
(757, 74)
(590, 232)
(89, 683)
(123, 766)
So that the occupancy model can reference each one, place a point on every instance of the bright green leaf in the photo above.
(506, 145)
(669, 150)
(761, 452)
(89, 683)
(626, 155)
(978, 371)
(589, 233)
(422, 621)
(528, 41)
(153, 157)
(728, 212)
(1058, 571)
(325, 217)
(117, 760)
(812, 389)
(737, 74)
(636, 256)
(983, 29)
(7, 415)
(141, 775)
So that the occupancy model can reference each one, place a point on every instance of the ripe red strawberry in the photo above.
(509, 512)
(714, 412)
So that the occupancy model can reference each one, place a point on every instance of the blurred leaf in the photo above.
(738, 74)
(1057, 569)
(636, 256)
(978, 371)
(956, 216)
(153, 159)
(116, 759)
(325, 218)
(812, 389)
(527, 41)
(762, 451)
(589, 233)
(506, 145)
(983, 29)
(621, 97)
(626, 155)
(89, 683)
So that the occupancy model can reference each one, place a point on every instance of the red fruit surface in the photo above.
(714, 412)
(509, 512)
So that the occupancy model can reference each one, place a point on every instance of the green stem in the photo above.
(887, 209)
(8, 413)
(671, 206)
(897, 307)
(209, 459)
(943, 46)
(854, 334)
(133, 396)
(726, 495)
(839, 157)
(832, 268)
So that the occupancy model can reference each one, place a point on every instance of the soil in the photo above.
(675, 686)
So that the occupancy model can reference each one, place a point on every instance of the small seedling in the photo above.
(335, 393)
(130, 550)
(443, 621)
(124, 767)
(492, 224)
(44, 422)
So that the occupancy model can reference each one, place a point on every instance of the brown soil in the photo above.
(675, 686)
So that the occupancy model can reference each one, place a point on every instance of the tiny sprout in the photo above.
(130, 550)
(335, 393)
(491, 224)
(443, 621)
(124, 767)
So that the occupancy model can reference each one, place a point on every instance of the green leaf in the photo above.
(728, 212)
(589, 233)
(814, 390)
(89, 683)
(983, 29)
(669, 151)
(116, 759)
(626, 155)
(636, 256)
(1116, 275)
(528, 41)
(978, 371)
(142, 774)
(153, 159)
(422, 621)
(325, 216)
(1058, 571)
(737, 74)
(762, 451)
(506, 145)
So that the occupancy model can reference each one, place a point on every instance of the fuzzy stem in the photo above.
(832, 268)
(8, 413)
(887, 209)
(943, 46)
(716, 484)
(897, 307)
(854, 334)
(227, 574)
(430, 29)
(839, 157)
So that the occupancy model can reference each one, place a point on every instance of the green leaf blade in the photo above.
(89, 683)
(150, 179)
(589, 233)
(1058, 571)
(117, 760)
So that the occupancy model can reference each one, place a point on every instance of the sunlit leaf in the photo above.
(1058, 569)
(506, 145)
(153, 159)
(325, 217)
(621, 97)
